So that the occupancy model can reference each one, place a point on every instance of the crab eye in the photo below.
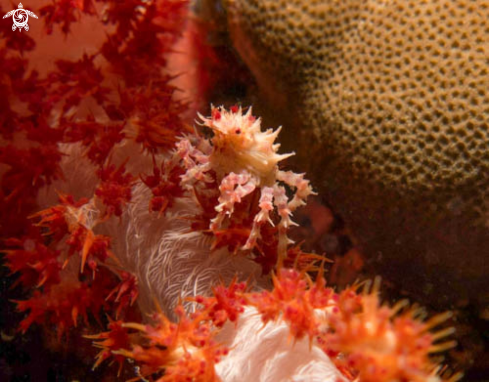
(238, 131)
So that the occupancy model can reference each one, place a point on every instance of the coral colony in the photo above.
(112, 204)
(398, 118)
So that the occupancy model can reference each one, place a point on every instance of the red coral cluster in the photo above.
(42, 115)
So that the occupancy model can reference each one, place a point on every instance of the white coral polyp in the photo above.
(267, 353)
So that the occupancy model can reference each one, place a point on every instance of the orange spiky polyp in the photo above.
(366, 341)
(183, 351)
(379, 344)
(339, 337)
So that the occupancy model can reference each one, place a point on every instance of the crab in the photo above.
(242, 159)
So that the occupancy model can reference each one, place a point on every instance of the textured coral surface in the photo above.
(392, 98)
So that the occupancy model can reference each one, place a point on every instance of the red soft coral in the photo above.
(115, 189)
(36, 264)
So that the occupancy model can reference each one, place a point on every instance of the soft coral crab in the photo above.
(243, 159)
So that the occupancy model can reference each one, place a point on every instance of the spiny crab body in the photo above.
(240, 145)
(242, 159)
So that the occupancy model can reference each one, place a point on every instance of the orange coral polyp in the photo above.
(378, 345)
(182, 352)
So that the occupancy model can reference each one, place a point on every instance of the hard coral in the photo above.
(395, 95)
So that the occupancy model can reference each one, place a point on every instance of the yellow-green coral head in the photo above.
(394, 96)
